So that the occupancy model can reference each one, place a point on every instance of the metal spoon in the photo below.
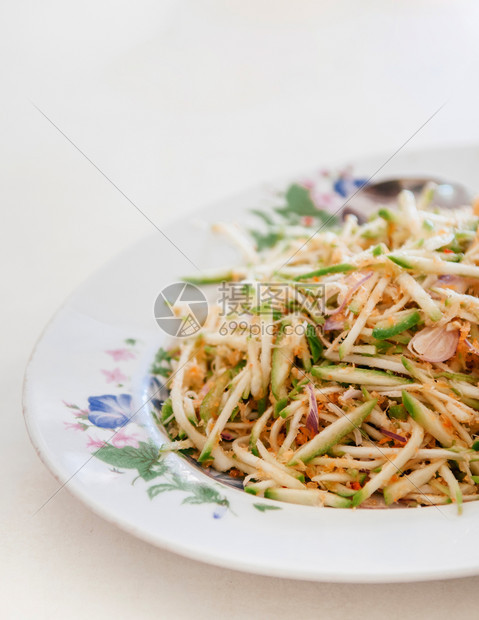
(447, 195)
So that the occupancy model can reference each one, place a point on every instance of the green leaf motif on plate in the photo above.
(266, 507)
(199, 493)
(299, 204)
(144, 459)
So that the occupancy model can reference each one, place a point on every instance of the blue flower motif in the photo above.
(220, 512)
(110, 411)
(344, 185)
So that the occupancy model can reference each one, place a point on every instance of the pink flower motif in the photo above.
(114, 376)
(121, 355)
(95, 443)
(307, 183)
(75, 426)
(347, 172)
(69, 405)
(120, 439)
(326, 201)
(323, 198)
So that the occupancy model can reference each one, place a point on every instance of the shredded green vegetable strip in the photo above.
(369, 398)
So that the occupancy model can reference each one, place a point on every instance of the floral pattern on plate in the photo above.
(126, 448)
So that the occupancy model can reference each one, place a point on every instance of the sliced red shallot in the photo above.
(205, 389)
(434, 344)
(456, 283)
(350, 292)
(393, 435)
(312, 421)
(333, 323)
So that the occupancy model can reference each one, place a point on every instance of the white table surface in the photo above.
(181, 103)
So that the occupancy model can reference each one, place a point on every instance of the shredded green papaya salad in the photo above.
(348, 374)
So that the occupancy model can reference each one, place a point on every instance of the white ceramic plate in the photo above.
(89, 374)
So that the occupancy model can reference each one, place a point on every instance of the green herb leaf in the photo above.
(322, 271)
(315, 344)
(398, 411)
(166, 410)
(162, 364)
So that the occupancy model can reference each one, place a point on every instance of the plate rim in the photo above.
(162, 542)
